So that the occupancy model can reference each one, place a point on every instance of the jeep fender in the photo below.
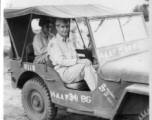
(24, 72)
(139, 92)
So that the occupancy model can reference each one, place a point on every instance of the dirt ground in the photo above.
(13, 109)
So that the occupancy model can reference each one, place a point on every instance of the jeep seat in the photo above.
(81, 86)
(30, 53)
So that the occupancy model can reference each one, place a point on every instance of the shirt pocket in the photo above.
(73, 51)
(68, 54)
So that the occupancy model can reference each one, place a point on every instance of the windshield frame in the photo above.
(96, 50)
(116, 17)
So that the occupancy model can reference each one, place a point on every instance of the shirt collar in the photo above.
(43, 34)
(61, 38)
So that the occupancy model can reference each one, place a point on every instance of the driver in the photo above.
(65, 59)
(41, 40)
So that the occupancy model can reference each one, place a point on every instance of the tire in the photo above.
(36, 100)
(144, 115)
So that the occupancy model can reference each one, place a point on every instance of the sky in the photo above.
(123, 5)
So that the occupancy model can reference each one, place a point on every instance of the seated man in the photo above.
(41, 40)
(65, 59)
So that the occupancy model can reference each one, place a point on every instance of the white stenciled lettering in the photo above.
(128, 48)
(123, 50)
(120, 49)
(52, 94)
(57, 95)
(106, 91)
(110, 54)
(110, 93)
(135, 46)
(25, 66)
(70, 96)
(29, 67)
(62, 97)
(33, 67)
(73, 97)
(107, 54)
(85, 99)
(66, 96)
(101, 56)
(114, 51)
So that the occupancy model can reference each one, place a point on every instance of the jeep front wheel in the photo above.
(36, 100)
(144, 115)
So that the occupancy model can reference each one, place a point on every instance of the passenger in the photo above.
(41, 40)
(65, 59)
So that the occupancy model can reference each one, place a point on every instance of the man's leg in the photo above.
(90, 77)
(79, 72)
(71, 74)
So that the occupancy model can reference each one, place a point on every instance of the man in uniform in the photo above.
(64, 58)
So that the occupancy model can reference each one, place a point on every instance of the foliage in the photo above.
(6, 51)
(143, 8)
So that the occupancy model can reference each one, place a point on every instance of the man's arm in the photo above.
(55, 51)
(85, 62)
(37, 44)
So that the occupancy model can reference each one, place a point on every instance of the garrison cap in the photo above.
(45, 20)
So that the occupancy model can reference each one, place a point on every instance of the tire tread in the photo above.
(52, 110)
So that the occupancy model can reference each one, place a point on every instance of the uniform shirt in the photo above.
(62, 52)
(40, 44)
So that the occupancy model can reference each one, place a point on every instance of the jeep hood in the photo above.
(134, 68)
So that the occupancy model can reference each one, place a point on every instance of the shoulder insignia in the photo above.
(51, 45)
(68, 40)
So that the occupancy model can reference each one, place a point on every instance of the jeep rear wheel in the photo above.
(36, 100)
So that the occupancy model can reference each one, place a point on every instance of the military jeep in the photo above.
(119, 47)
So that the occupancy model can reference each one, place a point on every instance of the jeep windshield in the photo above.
(112, 31)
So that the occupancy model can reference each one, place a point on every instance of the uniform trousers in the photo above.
(77, 73)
